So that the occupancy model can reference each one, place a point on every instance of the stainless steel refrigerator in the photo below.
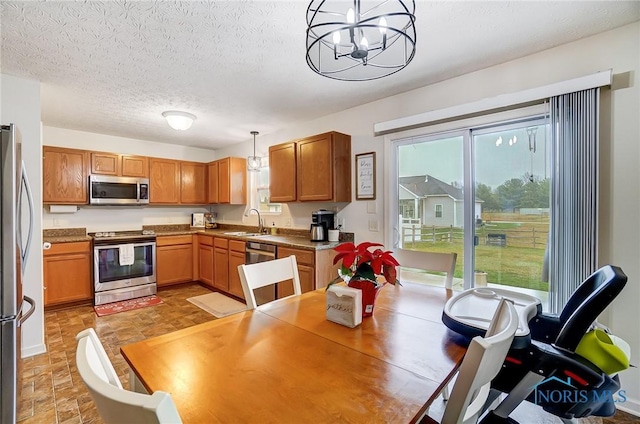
(16, 228)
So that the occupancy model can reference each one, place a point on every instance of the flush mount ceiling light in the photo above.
(253, 162)
(179, 120)
(360, 40)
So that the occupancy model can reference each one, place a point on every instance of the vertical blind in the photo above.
(574, 192)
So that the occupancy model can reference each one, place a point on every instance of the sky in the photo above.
(496, 162)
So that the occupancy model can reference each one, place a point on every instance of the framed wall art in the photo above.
(366, 176)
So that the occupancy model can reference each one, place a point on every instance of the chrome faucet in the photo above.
(260, 223)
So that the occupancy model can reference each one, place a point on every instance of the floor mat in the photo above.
(126, 305)
(218, 304)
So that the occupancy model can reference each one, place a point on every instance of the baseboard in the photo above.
(630, 406)
(33, 350)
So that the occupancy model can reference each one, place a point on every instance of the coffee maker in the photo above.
(321, 222)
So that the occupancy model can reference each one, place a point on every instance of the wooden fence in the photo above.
(531, 237)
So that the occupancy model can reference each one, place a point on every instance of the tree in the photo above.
(510, 194)
(486, 194)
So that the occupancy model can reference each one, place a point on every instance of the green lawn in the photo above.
(507, 265)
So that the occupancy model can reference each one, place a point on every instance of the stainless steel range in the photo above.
(124, 265)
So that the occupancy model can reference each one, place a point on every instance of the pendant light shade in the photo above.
(254, 162)
(360, 40)
(179, 120)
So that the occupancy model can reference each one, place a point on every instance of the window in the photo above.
(438, 211)
(260, 199)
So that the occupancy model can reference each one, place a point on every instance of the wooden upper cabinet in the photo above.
(193, 180)
(134, 166)
(164, 181)
(212, 182)
(227, 181)
(282, 172)
(105, 163)
(64, 176)
(323, 168)
(119, 165)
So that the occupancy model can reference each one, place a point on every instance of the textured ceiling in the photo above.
(113, 67)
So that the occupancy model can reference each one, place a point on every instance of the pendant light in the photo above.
(253, 162)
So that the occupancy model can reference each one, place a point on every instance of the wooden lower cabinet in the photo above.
(67, 273)
(236, 258)
(205, 260)
(174, 259)
(315, 268)
(221, 263)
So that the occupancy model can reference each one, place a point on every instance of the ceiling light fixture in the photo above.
(253, 162)
(179, 120)
(360, 44)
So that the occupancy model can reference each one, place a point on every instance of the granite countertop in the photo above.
(287, 238)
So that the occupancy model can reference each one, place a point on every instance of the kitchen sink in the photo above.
(243, 234)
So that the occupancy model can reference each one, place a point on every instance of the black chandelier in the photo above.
(360, 40)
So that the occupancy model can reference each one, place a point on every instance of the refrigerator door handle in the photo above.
(27, 189)
(32, 309)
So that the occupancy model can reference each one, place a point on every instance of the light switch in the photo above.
(373, 225)
(371, 207)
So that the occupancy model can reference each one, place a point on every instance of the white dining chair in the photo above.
(262, 274)
(115, 404)
(481, 363)
(431, 261)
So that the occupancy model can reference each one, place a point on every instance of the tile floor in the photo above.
(54, 393)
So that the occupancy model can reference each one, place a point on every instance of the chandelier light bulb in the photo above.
(382, 25)
(364, 44)
(336, 37)
(351, 16)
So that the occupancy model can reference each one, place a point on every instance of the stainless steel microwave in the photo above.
(107, 190)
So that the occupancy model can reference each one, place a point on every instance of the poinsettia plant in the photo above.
(365, 261)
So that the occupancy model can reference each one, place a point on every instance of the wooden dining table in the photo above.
(286, 363)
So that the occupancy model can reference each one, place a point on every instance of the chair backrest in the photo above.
(591, 297)
(261, 274)
(115, 404)
(481, 363)
(431, 261)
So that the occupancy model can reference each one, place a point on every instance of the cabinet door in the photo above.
(205, 264)
(306, 274)
(224, 189)
(193, 183)
(221, 263)
(105, 163)
(64, 176)
(235, 286)
(314, 168)
(212, 182)
(306, 270)
(282, 172)
(164, 181)
(237, 181)
(67, 273)
(174, 264)
(135, 166)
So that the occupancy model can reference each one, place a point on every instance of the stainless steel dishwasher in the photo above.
(261, 252)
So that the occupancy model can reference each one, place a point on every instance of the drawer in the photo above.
(305, 257)
(173, 240)
(66, 248)
(208, 240)
(220, 242)
(237, 245)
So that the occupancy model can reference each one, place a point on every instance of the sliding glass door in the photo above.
(482, 193)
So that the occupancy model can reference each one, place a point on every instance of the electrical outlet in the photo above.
(56, 222)
(287, 222)
(373, 225)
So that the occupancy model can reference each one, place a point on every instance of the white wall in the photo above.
(619, 180)
(21, 106)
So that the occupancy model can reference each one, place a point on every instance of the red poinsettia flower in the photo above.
(360, 263)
